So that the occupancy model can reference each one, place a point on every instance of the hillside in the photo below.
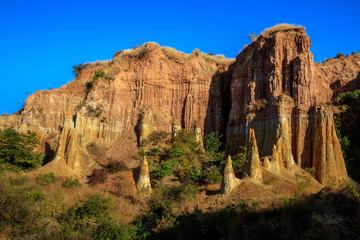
(176, 138)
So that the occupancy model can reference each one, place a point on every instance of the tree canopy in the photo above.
(17, 150)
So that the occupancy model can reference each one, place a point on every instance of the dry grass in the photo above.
(175, 55)
(279, 27)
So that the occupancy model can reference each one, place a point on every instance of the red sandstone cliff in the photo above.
(274, 87)
(145, 89)
(275, 90)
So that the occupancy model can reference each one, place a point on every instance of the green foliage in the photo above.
(163, 169)
(194, 173)
(79, 67)
(71, 183)
(17, 150)
(98, 74)
(185, 140)
(348, 97)
(46, 179)
(350, 189)
(154, 152)
(213, 175)
(91, 219)
(158, 136)
(177, 151)
(187, 192)
(212, 143)
(19, 180)
(348, 131)
(238, 160)
(20, 208)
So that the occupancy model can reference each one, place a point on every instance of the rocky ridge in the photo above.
(273, 87)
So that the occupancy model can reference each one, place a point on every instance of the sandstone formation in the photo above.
(273, 87)
(273, 91)
(145, 89)
(229, 181)
(143, 183)
(71, 155)
(253, 167)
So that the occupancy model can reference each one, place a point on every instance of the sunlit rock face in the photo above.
(273, 87)
(229, 181)
(253, 166)
(273, 91)
(143, 90)
(143, 184)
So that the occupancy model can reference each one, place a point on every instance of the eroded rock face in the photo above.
(71, 156)
(253, 166)
(143, 90)
(143, 184)
(229, 181)
(274, 92)
(274, 87)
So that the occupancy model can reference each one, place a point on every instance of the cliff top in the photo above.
(283, 27)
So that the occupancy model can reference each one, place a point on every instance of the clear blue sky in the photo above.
(40, 41)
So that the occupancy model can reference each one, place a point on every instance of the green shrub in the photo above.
(163, 169)
(17, 150)
(211, 142)
(19, 180)
(212, 176)
(34, 194)
(194, 173)
(188, 192)
(178, 151)
(185, 139)
(112, 230)
(98, 74)
(154, 152)
(46, 179)
(89, 86)
(79, 67)
(71, 183)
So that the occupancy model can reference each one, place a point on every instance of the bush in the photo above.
(98, 74)
(98, 176)
(177, 151)
(17, 150)
(188, 192)
(211, 142)
(212, 176)
(71, 183)
(338, 55)
(79, 67)
(116, 166)
(46, 179)
(163, 169)
(154, 152)
(19, 180)
(194, 173)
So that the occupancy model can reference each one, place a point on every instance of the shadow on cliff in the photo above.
(219, 104)
(350, 86)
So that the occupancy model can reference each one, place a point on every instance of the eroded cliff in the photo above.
(273, 87)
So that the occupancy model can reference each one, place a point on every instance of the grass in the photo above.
(279, 27)
(46, 179)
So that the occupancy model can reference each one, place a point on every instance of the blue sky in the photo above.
(40, 41)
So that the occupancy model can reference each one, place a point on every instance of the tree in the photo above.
(17, 150)
(212, 143)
